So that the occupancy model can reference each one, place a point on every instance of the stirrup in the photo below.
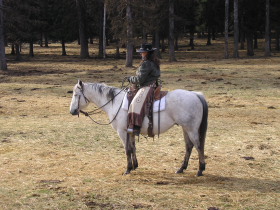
(129, 130)
(136, 132)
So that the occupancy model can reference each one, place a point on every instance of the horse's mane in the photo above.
(104, 89)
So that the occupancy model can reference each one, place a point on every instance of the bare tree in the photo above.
(171, 32)
(236, 30)
(3, 63)
(129, 33)
(267, 29)
(226, 27)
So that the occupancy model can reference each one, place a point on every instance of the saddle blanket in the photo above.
(156, 108)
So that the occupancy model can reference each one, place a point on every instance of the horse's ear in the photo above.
(80, 83)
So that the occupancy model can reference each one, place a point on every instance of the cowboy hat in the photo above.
(146, 48)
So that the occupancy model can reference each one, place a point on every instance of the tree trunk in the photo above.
(129, 34)
(226, 28)
(277, 40)
(104, 30)
(144, 32)
(171, 32)
(13, 52)
(250, 47)
(63, 47)
(100, 35)
(267, 29)
(157, 43)
(3, 62)
(41, 39)
(81, 9)
(236, 30)
(256, 46)
(242, 41)
(192, 38)
(176, 45)
(31, 48)
(118, 51)
(209, 36)
(213, 33)
(242, 30)
(162, 45)
(18, 55)
(46, 39)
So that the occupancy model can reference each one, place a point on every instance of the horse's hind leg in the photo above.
(189, 147)
(199, 145)
(202, 164)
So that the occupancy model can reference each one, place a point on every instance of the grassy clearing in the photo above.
(52, 160)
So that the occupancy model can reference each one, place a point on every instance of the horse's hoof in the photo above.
(180, 171)
(199, 173)
(126, 173)
(135, 167)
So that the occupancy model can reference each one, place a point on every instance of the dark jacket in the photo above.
(146, 74)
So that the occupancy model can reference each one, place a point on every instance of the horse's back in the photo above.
(184, 106)
(183, 96)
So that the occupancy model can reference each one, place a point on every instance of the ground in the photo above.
(52, 160)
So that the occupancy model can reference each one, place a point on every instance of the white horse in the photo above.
(185, 108)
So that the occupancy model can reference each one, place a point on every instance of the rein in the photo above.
(87, 114)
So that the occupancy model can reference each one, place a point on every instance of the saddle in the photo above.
(158, 94)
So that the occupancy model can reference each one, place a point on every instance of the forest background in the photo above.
(128, 23)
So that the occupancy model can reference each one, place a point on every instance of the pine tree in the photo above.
(64, 27)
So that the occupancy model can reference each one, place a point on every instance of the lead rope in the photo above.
(87, 115)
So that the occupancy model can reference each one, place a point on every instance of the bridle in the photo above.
(98, 110)
(86, 99)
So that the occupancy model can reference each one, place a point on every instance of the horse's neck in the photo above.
(99, 99)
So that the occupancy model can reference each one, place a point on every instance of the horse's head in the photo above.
(79, 100)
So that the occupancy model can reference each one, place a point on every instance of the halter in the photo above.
(87, 114)
(86, 99)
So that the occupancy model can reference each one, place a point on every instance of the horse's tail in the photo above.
(204, 122)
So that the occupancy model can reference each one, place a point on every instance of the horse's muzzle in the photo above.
(75, 112)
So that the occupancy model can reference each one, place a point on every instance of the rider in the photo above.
(146, 80)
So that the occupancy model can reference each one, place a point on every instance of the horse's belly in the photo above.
(165, 123)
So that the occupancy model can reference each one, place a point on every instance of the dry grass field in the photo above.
(52, 160)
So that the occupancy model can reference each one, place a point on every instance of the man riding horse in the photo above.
(144, 85)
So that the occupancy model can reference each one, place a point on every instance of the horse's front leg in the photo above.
(130, 149)
(128, 152)
(134, 158)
